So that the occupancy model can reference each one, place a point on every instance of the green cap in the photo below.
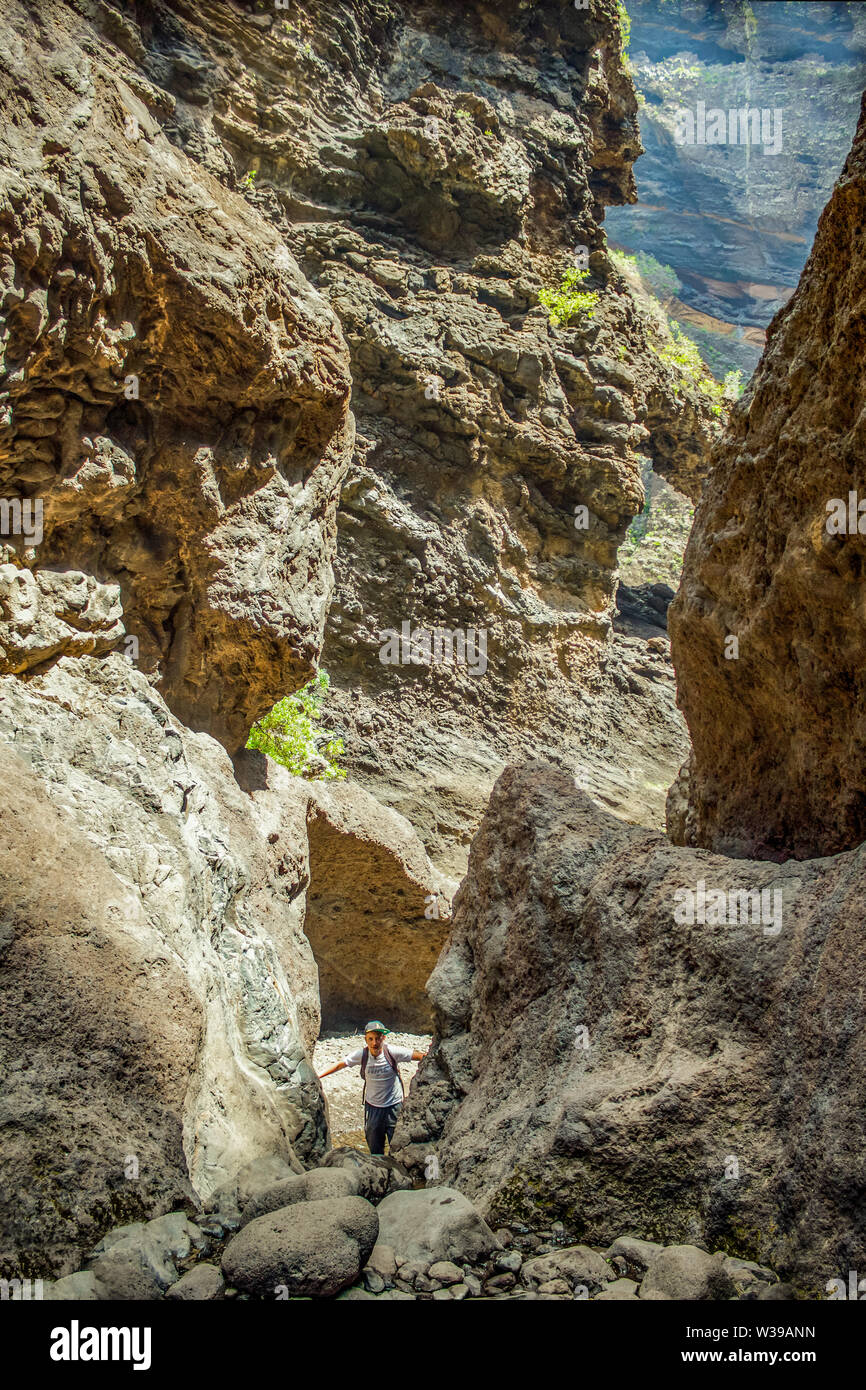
(376, 1027)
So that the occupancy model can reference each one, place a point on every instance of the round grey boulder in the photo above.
(434, 1223)
(685, 1272)
(201, 1284)
(318, 1185)
(312, 1248)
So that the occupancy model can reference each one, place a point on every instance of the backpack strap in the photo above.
(364, 1060)
(390, 1060)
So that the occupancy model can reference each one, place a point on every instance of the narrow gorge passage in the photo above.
(431, 635)
(343, 1093)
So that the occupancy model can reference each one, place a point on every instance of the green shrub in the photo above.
(290, 736)
(661, 279)
(733, 384)
(624, 29)
(681, 351)
(568, 302)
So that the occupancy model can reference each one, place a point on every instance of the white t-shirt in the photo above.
(383, 1087)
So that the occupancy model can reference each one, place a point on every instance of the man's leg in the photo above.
(392, 1115)
(374, 1127)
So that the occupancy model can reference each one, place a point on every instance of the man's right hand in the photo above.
(331, 1070)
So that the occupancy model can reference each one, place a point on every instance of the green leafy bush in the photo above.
(733, 384)
(568, 302)
(661, 279)
(289, 734)
(624, 29)
(681, 351)
(644, 274)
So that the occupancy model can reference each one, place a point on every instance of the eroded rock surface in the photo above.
(176, 397)
(159, 922)
(779, 744)
(158, 993)
(432, 169)
(377, 912)
(601, 1060)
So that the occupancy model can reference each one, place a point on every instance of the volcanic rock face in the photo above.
(159, 991)
(735, 221)
(176, 397)
(777, 727)
(175, 417)
(622, 1047)
(159, 995)
(433, 171)
(377, 911)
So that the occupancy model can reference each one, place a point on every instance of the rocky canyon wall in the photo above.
(634, 1036)
(433, 170)
(735, 221)
(766, 628)
(174, 431)
(665, 1036)
(176, 393)
(279, 381)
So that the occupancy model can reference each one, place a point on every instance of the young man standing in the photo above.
(383, 1087)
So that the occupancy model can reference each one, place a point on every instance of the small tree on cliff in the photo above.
(291, 736)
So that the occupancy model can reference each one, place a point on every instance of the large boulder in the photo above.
(576, 1264)
(684, 1272)
(436, 1223)
(767, 630)
(311, 1248)
(319, 1185)
(564, 1082)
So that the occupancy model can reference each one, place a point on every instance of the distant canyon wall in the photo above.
(735, 218)
(766, 629)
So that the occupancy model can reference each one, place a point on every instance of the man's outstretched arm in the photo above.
(418, 1056)
(338, 1067)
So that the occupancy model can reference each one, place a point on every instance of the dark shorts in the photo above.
(380, 1121)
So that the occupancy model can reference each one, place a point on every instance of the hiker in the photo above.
(380, 1074)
